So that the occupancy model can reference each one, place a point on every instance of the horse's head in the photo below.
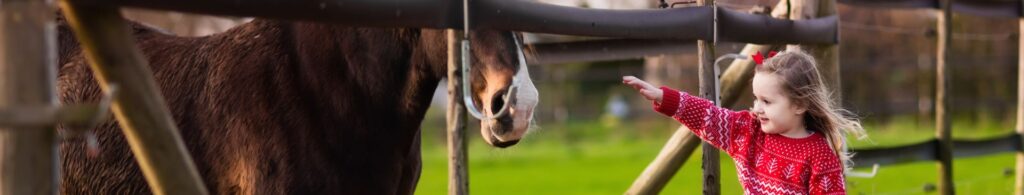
(499, 79)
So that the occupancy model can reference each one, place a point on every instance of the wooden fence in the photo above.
(940, 149)
(158, 148)
(167, 167)
(943, 148)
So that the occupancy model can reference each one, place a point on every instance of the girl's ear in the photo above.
(799, 109)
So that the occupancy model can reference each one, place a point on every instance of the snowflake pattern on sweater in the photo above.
(766, 163)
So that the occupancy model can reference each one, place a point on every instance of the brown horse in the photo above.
(282, 107)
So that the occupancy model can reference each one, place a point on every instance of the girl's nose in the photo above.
(757, 109)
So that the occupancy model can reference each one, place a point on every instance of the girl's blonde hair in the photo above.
(803, 84)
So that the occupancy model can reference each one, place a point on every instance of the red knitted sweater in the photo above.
(766, 163)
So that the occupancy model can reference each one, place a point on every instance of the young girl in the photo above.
(791, 142)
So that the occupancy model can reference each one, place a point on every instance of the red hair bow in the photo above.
(759, 59)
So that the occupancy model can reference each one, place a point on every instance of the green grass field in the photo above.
(600, 158)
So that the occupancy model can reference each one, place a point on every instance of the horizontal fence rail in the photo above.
(690, 23)
(604, 50)
(926, 150)
(735, 26)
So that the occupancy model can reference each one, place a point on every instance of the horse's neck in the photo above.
(384, 65)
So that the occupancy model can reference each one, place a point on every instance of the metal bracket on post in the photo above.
(458, 170)
(874, 171)
(718, 73)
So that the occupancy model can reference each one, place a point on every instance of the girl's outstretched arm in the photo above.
(646, 89)
(721, 127)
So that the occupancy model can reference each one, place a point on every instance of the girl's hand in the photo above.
(646, 89)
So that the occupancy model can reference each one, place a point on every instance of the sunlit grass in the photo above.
(593, 158)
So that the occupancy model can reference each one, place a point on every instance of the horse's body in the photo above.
(274, 107)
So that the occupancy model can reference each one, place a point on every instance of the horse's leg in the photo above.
(411, 168)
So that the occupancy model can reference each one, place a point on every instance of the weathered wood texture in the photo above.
(28, 155)
(458, 163)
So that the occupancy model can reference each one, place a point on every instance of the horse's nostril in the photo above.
(497, 102)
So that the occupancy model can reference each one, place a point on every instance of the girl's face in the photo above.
(773, 107)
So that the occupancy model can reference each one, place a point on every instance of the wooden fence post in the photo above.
(458, 166)
(1019, 184)
(706, 54)
(826, 55)
(28, 155)
(140, 109)
(942, 99)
